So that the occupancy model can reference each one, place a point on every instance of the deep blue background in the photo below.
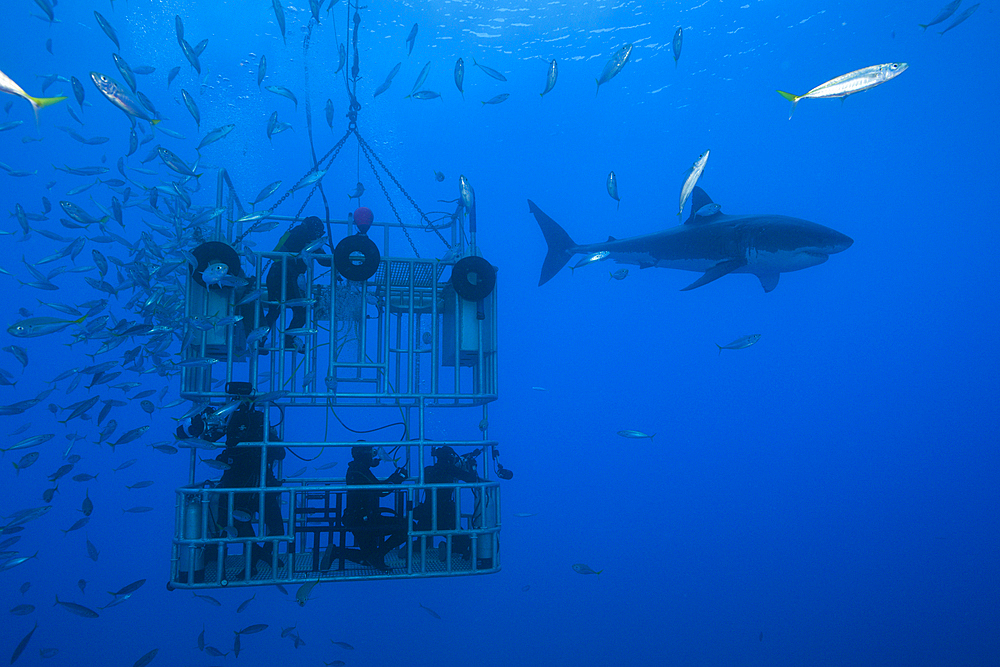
(833, 487)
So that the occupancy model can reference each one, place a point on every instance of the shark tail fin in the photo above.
(560, 244)
(794, 99)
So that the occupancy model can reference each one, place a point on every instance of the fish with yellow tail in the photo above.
(8, 86)
(850, 83)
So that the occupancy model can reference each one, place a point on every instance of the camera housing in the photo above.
(245, 425)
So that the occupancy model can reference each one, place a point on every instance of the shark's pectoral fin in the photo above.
(768, 280)
(717, 272)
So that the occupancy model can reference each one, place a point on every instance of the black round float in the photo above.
(473, 278)
(359, 243)
(211, 253)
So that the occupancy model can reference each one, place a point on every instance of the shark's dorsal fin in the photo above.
(699, 199)
(611, 238)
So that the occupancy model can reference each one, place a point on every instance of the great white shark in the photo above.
(712, 243)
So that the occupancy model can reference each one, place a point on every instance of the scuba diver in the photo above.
(448, 468)
(243, 471)
(290, 269)
(368, 520)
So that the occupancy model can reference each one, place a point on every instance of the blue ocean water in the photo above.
(827, 496)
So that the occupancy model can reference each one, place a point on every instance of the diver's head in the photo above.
(365, 455)
(299, 236)
(312, 227)
(445, 456)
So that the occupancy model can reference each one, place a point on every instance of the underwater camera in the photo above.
(467, 462)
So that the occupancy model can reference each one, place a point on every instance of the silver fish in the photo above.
(550, 79)
(708, 210)
(589, 259)
(740, 343)
(305, 590)
(420, 80)
(40, 326)
(961, 18)
(21, 645)
(342, 58)
(191, 56)
(253, 629)
(466, 193)
(284, 92)
(430, 611)
(460, 75)
(636, 435)
(580, 568)
(192, 107)
(615, 65)
(678, 39)
(612, 185)
(279, 14)
(215, 135)
(266, 192)
(8, 86)
(411, 39)
(114, 93)
(209, 599)
(850, 83)
(244, 605)
(77, 609)
(125, 70)
(691, 179)
(489, 71)
(943, 15)
(176, 164)
(108, 30)
(497, 99)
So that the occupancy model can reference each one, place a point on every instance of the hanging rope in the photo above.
(350, 83)
(309, 122)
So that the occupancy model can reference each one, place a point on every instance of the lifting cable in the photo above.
(350, 83)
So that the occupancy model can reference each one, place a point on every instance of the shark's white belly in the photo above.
(779, 262)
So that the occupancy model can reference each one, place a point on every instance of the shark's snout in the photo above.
(840, 242)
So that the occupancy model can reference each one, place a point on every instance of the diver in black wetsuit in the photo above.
(294, 241)
(364, 513)
(247, 425)
(448, 468)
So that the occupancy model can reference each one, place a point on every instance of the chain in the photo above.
(369, 153)
(365, 150)
(331, 154)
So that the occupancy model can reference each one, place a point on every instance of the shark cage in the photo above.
(302, 354)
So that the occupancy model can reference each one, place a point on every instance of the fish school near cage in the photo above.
(328, 353)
